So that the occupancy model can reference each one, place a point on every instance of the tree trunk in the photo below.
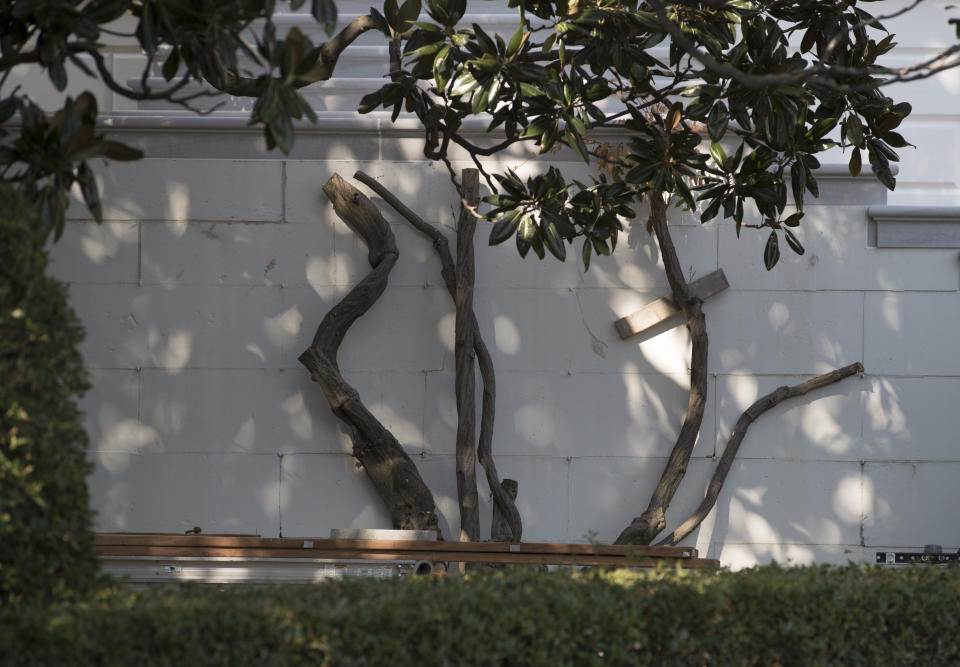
(643, 529)
(393, 473)
(466, 459)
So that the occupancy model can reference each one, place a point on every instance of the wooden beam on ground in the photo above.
(664, 310)
(348, 545)
(254, 547)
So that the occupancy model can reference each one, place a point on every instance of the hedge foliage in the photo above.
(855, 615)
(46, 539)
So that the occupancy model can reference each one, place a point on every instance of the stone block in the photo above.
(253, 411)
(528, 329)
(790, 502)
(912, 333)
(910, 504)
(189, 190)
(911, 418)
(112, 413)
(784, 333)
(172, 493)
(187, 327)
(304, 201)
(94, 253)
(181, 253)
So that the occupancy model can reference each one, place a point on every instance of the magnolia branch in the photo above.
(329, 55)
(821, 73)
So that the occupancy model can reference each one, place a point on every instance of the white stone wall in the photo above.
(218, 260)
(210, 276)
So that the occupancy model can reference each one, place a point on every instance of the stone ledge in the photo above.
(915, 226)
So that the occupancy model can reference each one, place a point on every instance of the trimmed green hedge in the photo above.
(854, 615)
(46, 539)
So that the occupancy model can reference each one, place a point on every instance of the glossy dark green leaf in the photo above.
(717, 121)
(505, 227)
(526, 230)
(856, 163)
(881, 168)
(719, 155)
(895, 139)
(171, 64)
(325, 13)
(854, 130)
(370, 101)
(516, 41)
(710, 212)
(798, 182)
(585, 254)
(88, 189)
(575, 141)
(408, 13)
(463, 84)
(793, 242)
(793, 220)
(553, 241)
(771, 252)
(481, 97)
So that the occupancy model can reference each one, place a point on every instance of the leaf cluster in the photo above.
(50, 154)
(231, 45)
(735, 130)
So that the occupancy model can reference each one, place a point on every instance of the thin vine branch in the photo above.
(749, 416)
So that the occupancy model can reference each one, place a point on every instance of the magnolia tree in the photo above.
(725, 105)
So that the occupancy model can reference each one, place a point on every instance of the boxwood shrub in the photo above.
(854, 615)
(46, 542)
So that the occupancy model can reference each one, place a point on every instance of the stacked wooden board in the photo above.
(172, 546)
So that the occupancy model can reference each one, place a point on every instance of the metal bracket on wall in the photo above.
(907, 557)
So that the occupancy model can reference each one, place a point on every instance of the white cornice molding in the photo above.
(916, 226)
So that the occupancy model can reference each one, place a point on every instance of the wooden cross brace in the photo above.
(664, 310)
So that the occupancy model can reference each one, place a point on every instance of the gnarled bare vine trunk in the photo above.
(643, 529)
(646, 527)
(394, 475)
(507, 525)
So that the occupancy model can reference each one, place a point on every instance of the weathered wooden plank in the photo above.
(306, 546)
(664, 310)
